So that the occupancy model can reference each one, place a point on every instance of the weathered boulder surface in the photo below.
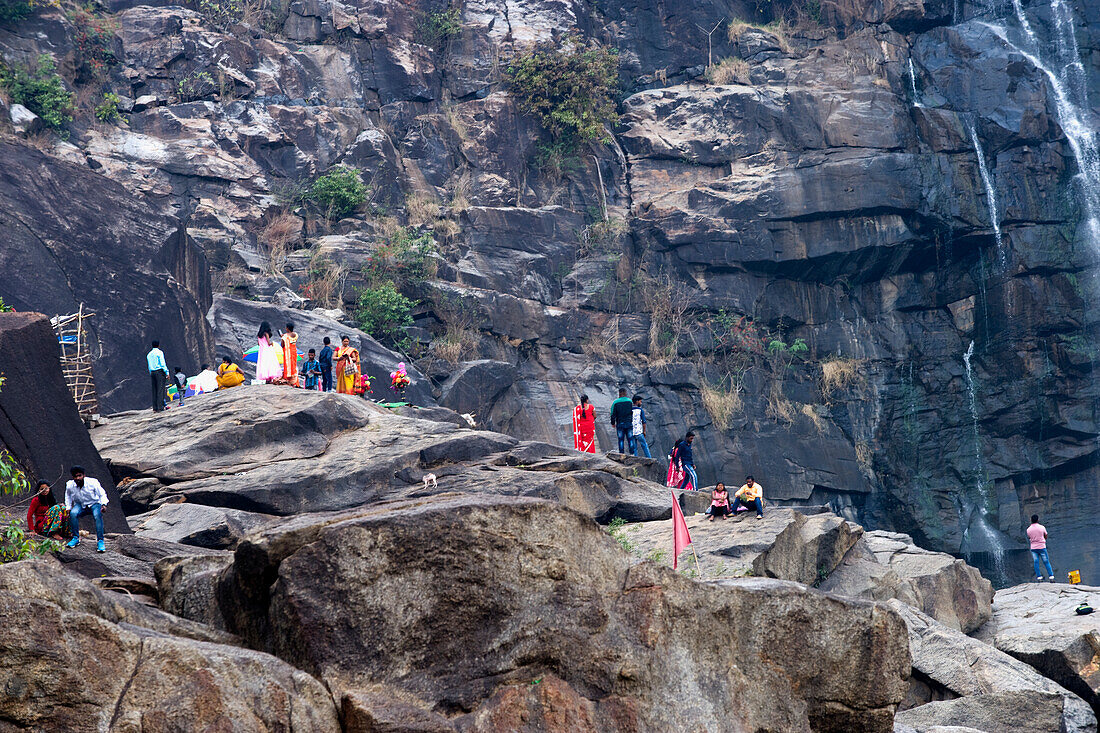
(193, 524)
(81, 659)
(39, 422)
(1036, 623)
(947, 664)
(127, 556)
(889, 565)
(827, 552)
(990, 713)
(534, 593)
(278, 450)
(74, 237)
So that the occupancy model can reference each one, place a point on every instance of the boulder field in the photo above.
(495, 602)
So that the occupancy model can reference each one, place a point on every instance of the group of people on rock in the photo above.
(749, 496)
(277, 362)
(83, 495)
(627, 416)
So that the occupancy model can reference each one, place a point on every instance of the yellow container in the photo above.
(1075, 576)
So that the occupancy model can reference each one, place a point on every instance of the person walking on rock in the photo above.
(158, 374)
(751, 495)
(621, 418)
(584, 426)
(1037, 535)
(85, 494)
(325, 360)
(637, 429)
(686, 458)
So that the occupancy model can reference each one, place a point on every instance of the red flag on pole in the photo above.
(681, 538)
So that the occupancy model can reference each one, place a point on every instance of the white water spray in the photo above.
(913, 84)
(990, 196)
(991, 539)
(1066, 75)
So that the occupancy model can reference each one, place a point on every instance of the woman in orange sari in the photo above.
(347, 366)
(290, 356)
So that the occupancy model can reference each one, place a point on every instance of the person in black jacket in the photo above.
(325, 360)
(622, 417)
(687, 461)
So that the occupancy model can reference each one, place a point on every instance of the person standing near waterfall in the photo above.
(1037, 536)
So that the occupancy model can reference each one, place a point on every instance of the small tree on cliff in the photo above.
(569, 88)
(14, 542)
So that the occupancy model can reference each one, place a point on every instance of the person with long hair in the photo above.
(290, 356)
(267, 358)
(584, 426)
(38, 512)
(348, 368)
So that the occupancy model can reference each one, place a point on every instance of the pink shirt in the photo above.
(1037, 533)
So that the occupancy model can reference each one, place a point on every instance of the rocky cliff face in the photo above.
(905, 188)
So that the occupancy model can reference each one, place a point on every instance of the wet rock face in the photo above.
(536, 624)
(830, 192)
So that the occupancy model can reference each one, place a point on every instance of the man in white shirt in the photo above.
(82, 495)
(158, 373)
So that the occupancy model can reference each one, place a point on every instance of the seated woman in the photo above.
(45, 516)
(719, 502)
(229, 374)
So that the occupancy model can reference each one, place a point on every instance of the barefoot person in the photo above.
(347, 367)
(719, 502)
(1037, 536)
(290, 355)
(85, 494)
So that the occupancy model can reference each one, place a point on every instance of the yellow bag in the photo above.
(1075, 576)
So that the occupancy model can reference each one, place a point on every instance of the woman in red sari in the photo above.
(584, 426)
(290, 356)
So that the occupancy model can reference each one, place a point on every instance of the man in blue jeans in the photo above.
(622, 417)
(637, 429)
(83, 495)
(686, 458)
(1037, 536)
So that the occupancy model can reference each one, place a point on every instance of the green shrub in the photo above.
(15, 9)
(437, 26)
(4, 308)
(222, 13)
(40, 90)
(383, 312)
(406, 256)
(195, 86)
(108, 110)
(93, 42)
(339, 192)
(568, 89)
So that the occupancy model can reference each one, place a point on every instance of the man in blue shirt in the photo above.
(687, 460)
(312, 370)
(158, 374)
(325, 360)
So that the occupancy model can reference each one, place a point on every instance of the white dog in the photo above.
(429, 480)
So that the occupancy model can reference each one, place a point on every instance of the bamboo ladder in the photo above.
(76, 362)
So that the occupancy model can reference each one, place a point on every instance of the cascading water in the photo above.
(913, 84)
(989, 539)
(1066, 75)
(990, 194)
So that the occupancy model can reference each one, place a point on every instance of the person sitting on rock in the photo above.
(719, 502)
(85, 494)
(229, 374)
(750, 495)
(40, 504)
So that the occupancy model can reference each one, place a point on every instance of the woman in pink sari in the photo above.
(267, 356)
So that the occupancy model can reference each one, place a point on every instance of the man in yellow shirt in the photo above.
(750, 495)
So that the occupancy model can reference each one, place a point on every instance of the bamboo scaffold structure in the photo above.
(76, 361)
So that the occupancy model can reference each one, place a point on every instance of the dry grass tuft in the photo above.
(840, 374)
(446, 228)
(729, 71)
(779, 407)
(864, 456)
(810, 413)
(721, 403)
(326, 282)
(277, 236)
(456, 344)
(421, 209)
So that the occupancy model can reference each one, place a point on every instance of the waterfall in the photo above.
(1066, 75)
(991, 539)
(990, 194)
(913, 84)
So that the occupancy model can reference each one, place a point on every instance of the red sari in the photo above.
(290, 358)
(584, 428)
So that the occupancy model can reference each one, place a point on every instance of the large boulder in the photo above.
(947, 664)
(889, 565)
(279, 450)
(807, 549)
(236, 322)
(194, 524)
(467, 605)
(1037, 624)
(988, 713)
(127, 556)
(80, 659)
(39, 422)
(73, 237)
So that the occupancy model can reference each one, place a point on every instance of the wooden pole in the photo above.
(698, 570)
